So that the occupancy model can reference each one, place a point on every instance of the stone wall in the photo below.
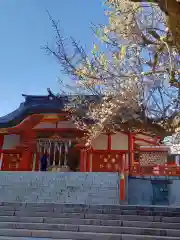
(175, 192)
(139, 191)
(82, 188)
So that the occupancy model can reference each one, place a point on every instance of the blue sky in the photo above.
(25, 27)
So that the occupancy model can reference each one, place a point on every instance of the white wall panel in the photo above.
(119, 141)
(66, 124)
(45, 125)
(11, 141)
(101, 142)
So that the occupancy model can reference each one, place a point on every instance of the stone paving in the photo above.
(85, 188)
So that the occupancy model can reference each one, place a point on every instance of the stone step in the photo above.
(91, 228)
(98, 207)
(90, 216)
(81, 215)
(122, 237)
(22, 238)
(56, 212)
(86, 213)
(144, 237)
(98, 217)
(100, 222)
(48, 234)
(121, 210)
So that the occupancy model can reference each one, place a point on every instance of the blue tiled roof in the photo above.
(35, 105)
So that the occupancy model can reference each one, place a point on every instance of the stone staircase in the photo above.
(77, 206)
(23, 221)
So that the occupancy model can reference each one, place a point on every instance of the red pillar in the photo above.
(37, 161)
(109, 141)
(82, 150)
(85, 161)
(1, 141)
(123, 181)
(89, 158)
(6, 162)
(1, 145)
(82, 160)
(26, 160)
(122, 188)
(124, 173)
(27, 151)
(131, 148)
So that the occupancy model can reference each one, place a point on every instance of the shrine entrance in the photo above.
(59, 154)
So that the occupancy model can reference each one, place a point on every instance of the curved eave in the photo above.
(19, 115)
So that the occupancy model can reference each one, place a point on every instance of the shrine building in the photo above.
(41, 124)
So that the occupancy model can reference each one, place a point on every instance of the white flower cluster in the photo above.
(135, 71)
(111, 105)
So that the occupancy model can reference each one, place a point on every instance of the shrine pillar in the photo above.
(122, 187)
(1, 153)
(1, 141)
(26, 160)
(83, 157)
(109, 144)
(82, 161)
(123, 180)
(130, 163)
(131, 148)
(28, 148)
(126, 169)
(37, 164)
